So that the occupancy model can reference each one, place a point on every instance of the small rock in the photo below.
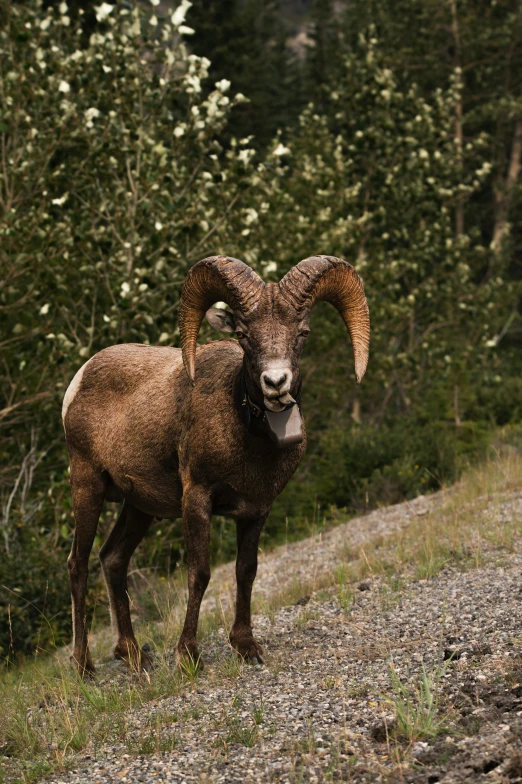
(381, 728)
(455, 653)
(482, 649)
(364, 585)
(303, 600)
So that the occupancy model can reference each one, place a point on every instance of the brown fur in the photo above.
(138, 431)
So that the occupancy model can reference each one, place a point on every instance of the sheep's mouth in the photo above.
(279, 403)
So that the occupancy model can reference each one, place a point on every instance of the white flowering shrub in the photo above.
(114, 185)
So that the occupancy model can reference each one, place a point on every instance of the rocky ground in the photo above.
(389, 678)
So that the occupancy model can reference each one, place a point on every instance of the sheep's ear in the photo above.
(222, 320)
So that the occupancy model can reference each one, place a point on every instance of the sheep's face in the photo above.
(272, 337)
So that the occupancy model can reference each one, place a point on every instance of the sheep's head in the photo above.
(271, 320)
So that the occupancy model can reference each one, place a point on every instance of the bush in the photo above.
(360, 467)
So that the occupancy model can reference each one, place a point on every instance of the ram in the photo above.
(194, 432)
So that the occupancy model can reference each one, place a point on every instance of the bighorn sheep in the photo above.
(190, 433)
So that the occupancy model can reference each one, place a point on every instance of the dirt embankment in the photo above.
(386, 678)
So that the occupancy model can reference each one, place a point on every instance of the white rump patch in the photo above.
(72, 389)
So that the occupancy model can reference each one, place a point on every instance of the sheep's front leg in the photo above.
(241, 636)
(197, 509)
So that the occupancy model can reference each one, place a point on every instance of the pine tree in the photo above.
(322, 60)
(245, 40)
(424, 42)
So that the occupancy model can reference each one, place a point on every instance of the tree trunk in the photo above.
(504, 192)
(459, 209)
(458, 422)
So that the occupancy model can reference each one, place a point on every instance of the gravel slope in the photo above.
(319, 709)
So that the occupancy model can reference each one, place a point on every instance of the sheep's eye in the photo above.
(304, 333)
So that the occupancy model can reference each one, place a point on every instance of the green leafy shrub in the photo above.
(358, 468)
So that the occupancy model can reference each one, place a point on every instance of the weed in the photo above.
(190, 667)
(308, 744)
(264, 607)
(306, 615)
(416, 707)
(245, 734)
(329, 682)
(345, 593)
(152, 742)
(258, 713)
(429, 563)
(334, 763)
(241, 727)
(231, 666)
(356, 690)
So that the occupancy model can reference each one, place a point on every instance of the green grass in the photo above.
(459, 534)
(241, 731)
(190, 667)
(49, 714)
(416, 706)
(345, 592)
(236, 728)
(232, 666)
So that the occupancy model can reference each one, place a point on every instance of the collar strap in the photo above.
(284, 428)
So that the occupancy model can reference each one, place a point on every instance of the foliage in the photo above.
(321, 62)
(378, 179)
(365, 467)
(425, 41)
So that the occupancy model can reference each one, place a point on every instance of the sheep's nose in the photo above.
(275, 380)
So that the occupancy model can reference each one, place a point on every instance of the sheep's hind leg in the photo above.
(241, 635)
(130, 528)
(88, 488)
(197, 509)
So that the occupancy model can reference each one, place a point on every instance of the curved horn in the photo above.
(326, 278)
(218, 278)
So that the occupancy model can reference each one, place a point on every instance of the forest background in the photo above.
(137, 139)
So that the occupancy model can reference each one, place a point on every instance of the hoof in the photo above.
(188, 658)
(138, 660)
(248, 649)
(85, 670)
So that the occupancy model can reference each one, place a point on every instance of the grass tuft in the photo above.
(416, 707)
(190, 667)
